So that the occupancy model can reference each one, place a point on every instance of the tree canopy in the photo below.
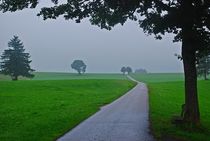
(129, 70)
(188, 20)
(203, 66)
(126, 69)
(154, 16)
(123, 70)
(15, 62)
(79, 66)
(141, 71)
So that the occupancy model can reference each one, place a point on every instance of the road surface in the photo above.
(126, 119)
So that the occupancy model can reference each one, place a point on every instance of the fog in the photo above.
(54, 44)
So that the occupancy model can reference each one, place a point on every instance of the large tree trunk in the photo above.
(191, 113)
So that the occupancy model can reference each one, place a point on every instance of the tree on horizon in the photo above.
(15, 62)
(129, 70)
(188, 20)
(123, 70)
(203, 67)
(79, 66)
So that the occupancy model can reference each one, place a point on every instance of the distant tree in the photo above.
(84, 69)
(202, 63)
(123, 70)
(79, 66)
(188, 20)
(203, 66)
(140, 71)
(15, 62)
(129, 70)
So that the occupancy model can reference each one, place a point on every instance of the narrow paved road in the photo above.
(126, 119)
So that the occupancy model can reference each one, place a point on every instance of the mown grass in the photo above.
(67, 76)
(158, 77)
(45, 110)
(6, 77)
(64, 76)
(166, 98)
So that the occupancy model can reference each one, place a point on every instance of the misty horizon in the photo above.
(55, 44)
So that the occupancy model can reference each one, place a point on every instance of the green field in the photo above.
(44, 110)
(158, 77)
(53, 103)
(166, 97)
(67, 76)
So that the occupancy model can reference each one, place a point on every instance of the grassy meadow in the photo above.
(67, 76)
(50, 104)
(166, 95)
(158, 77)
(43, 110)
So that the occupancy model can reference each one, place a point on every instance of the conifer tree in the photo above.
(15, 62)
(188, 20)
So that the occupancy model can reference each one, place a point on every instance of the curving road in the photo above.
(126, 119)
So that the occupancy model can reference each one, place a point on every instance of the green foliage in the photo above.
(126, 69)
(45, 110)
(79, 66)
(123, 70)
(14, 5)
(203, 66)
(67, 76)
(166, 95)
(64, 76)
(188, 20)
(140, 71)
(166, 99)
(15, 62)
(129, 70)
(157, 17)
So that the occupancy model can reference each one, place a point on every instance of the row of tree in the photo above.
(203, 66)
(16, 62)
(126, 69)
(187, 20)
(141, 71)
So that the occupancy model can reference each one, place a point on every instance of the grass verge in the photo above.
(44, 110)
(165, 101)
(67, 76)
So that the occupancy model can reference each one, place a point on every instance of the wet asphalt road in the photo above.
(126, 119)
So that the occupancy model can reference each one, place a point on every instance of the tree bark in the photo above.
(191, 114)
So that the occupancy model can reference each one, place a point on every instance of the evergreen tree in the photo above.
(203, 66)
(15, 62)
(188, 20)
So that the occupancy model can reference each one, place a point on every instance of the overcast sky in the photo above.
(54, 44)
